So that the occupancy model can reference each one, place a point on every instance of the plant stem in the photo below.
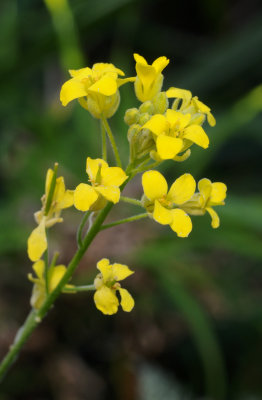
(124, 220)
(81, 227)
(83, 288)
(36, 316)
(103, 136)
(112, 141)
(147, 167)
(131, 201)
(22, 335)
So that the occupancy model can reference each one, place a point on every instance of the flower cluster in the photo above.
(158, 131)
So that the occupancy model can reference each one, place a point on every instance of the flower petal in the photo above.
(92, 166)
(39, 267)
(72, 89)
(68, 199)
(106, 269)
(59, 191)
(183, 94)
(139, 59)
(160, 63)
(113, 176)
(106, 86)
(111, 193)
(181, 223)
(56, 275)
(127, 301)
(218, 193)
(154, 185)
(196, 134)
(205, 188)
(37, 243)
(121, 82)
(38, 296)
(84, 196)
(80, 73)
(157, 124)
(106, 300)
(200, 106)
(211, 119)
(161, 214)
(182, 189)
(106, 68)
(121, 271)
(215, 222)
(168, 147)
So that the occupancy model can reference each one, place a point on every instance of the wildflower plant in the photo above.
(167, 125)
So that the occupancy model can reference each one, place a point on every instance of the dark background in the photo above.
(196, 330)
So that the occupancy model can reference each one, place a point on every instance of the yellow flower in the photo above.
(96, 89)
(174, 133)
(106, 284)
(105, 182)
(165, 206)
(149, 78)
(62, 198)
(191, 104)
(55, 275)
(209, 195)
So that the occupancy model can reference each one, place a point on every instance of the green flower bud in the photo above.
(160, 102)
(143, 119)
(147, 107)
(133, 132)
(131, 116)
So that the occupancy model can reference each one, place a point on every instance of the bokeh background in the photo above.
(196, 330)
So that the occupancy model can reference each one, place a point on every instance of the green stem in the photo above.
(21, 337)
(81, 227)
(124, 220)
(83, 288)
(103, 136)
(147, 167)
(36, 316)
(112, 141)
(131, 201)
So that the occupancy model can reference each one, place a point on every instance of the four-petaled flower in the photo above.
(107, 284)
(149, 78)
(209, 195)
(96, 89)
(174, 133)
(104, 185)
(55, 274)
(165, 206)
(61, 199)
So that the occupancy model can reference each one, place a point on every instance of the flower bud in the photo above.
(131, 116)
(146, 107)
(143, 119)
(99, 105)
(160, 102)
(133, 132)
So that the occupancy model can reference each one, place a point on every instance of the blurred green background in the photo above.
(196, 330)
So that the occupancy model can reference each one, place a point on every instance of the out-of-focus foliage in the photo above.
(196, 329)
